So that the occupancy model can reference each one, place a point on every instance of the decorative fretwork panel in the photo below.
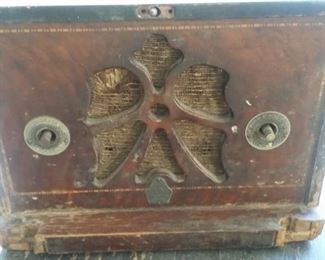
(181, 130)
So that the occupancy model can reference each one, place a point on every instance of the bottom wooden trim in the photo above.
(57, 231)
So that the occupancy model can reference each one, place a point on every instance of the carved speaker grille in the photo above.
(144, 126)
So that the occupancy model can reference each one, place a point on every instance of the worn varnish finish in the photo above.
(57, 205)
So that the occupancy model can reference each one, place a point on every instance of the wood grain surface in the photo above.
(257, 199)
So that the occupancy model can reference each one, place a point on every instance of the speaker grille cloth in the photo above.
(160, 155)
(201, 87)
(204, 143)
(157, 56)
(114, 146)
(112, 91)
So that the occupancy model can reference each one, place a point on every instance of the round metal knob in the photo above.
(46, 135)
(267, 130)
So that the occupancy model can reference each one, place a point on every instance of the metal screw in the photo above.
(268, 132)
(154, 11)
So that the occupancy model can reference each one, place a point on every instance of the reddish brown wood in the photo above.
(273, 64)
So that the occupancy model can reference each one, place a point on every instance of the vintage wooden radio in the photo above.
(161, 127)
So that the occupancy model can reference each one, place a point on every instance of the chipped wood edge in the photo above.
(299, 228)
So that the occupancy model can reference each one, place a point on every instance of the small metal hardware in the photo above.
(155, 12)
(159, 192)
(267, 130)
(46, 135)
